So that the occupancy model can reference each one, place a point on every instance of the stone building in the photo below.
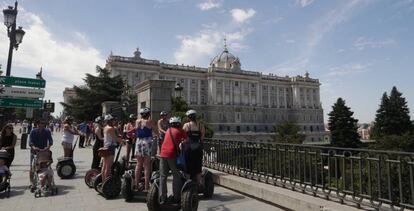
(67, 94)
(232, 100)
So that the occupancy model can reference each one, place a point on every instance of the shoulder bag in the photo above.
(180, 154)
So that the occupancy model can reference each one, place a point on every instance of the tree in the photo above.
(381, 117)
(343, 126)
(97, 89)
(288, 132)
(393, 116)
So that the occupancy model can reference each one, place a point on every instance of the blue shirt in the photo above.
(40, 138)
(83, 127)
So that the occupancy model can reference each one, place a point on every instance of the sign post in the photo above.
(11, 102)
(27, 82)
(21, 92)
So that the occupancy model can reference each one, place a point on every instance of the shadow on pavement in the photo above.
(14, 191)
(64, 189)
(218, 208)
(223, 197)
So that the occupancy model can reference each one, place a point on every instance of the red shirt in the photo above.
(167, 148)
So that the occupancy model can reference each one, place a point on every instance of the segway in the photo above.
(189, 195)
(111, 187)
(90, 177)
(127, 190)
(207, 189)
(65, 166)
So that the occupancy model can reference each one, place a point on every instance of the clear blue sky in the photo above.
(357, 48)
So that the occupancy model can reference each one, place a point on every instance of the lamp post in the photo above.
(178, 89)
(15, 35)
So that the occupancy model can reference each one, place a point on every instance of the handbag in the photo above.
(104, 152)
(180, 155)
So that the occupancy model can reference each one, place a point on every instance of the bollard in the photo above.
(23, 141)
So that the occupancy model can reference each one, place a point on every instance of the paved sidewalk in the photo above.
(73, 194)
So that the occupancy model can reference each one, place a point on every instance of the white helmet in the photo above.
(98, 119)
(108, 117)
(190, 112)
(144, 111)
(175, 120)
(163, 113)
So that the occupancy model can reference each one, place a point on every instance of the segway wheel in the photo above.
(66, 171)
(89, 176)
(208, 186)
(126, 189)
(189, 199)
(153, 203)
(111, 187)
(96, 181)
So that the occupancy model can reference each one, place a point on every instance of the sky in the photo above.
(358, 49)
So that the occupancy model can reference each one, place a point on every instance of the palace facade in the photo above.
(232, 100)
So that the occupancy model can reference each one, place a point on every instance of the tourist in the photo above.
(40, 138)
(168, 155)
(144, 133)
(8, 142)
(194, 147)
(99, 139)
(110, 142)
(83, 128)
(129, 130)
(68, 135)
(162, 127)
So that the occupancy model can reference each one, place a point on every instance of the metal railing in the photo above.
(382, 180)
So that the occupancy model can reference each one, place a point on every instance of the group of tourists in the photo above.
(141, 135)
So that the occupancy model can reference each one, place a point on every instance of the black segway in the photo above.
(90, 177)
(111, 187)
(127, 190)
(65, 166)
(207, 189)
(189, 195)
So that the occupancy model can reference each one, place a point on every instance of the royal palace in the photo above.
(232, 100)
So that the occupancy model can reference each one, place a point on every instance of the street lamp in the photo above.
(178, 89)
(15, 35)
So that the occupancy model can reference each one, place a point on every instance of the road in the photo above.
(75, 195)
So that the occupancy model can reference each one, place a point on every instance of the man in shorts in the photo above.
(40, 138)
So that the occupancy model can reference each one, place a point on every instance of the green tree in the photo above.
(343, 126)
(97, 89)
(288, 132)
(393, 116)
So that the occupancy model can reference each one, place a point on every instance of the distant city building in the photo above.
(364, 131)
(234, 101)
(67, 94)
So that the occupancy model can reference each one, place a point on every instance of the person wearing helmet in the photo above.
(68, 135)
(175, 135)
(129, 129)
(162, 127)
(143, 146)
(110, 141)
(99, 136)
(194, 146)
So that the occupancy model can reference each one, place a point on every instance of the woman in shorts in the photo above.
(145, 128)
(68, 135)
(110, 140)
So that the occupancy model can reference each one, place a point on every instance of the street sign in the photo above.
(21, 92)
(17, 81)
(50, 107)
(26, 103)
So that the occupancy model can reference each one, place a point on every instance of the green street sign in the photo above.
(17, 81)
(25, 103)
